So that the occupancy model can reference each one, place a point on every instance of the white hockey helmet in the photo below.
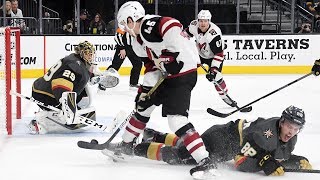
(204, 14)
(131, 9)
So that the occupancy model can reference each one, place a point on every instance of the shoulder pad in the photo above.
(193, 27)
(74, 63)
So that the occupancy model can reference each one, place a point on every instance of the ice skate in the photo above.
(206, 169)
(230, 102)
(134, 87)
(122, 147)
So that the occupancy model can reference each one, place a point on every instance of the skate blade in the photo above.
(206, 175)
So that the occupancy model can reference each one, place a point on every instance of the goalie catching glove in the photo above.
(108, 79)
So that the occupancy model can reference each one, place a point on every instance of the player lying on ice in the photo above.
(65, 86)
(262, 145)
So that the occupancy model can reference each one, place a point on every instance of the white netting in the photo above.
(7, 107)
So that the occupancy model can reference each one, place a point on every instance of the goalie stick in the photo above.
(93, 144)
(83, 120)
(223, 115)
(246, 109)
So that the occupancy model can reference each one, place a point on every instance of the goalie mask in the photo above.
(86, 51)
(132, 9)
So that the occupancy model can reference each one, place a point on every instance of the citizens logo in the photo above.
(98, 47)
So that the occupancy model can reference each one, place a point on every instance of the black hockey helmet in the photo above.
(294, 115)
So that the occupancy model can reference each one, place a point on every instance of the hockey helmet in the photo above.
(204, 14)
(131, 9)
(294, 115)
(86, 51)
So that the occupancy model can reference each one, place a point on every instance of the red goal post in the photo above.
(10, 77)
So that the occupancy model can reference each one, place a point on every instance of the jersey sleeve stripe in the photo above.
(217, 59)
(62, 83)
(42, 92)
(169, 24)
(239, 159)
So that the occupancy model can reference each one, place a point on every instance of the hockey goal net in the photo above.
(10, 78)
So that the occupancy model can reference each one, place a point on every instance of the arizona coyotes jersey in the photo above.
(209, 43)
(164, 34)
(68, 74)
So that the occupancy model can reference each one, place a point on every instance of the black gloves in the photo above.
(211, 75)
(270, 166)
(171, 64)
(316, 67)
(142, 101)
(173, 67)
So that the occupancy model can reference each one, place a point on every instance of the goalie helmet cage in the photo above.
(10, 77)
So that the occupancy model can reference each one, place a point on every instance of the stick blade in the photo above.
(89, 145)
(246, 109)
(216, 113)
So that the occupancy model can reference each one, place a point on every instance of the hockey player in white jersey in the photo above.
(210, 47)
(161, 40)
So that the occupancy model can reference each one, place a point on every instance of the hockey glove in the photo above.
(316, 67)
(142, 101)
(296, 162)
(109, 79)
(304, 164)
(170, 63)
(212, 74)
(270, 166)
(167, 61)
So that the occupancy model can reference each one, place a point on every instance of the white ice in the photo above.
(52, 157)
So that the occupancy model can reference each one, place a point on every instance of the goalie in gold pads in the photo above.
(65, 87)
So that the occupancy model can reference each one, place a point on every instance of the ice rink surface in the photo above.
(53, 157)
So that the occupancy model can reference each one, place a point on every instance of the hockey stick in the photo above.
(83, 120)
(94, 143)
(216, 113)
(303, 170)
(246, 109)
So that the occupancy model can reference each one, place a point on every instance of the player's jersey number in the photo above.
(67, 73)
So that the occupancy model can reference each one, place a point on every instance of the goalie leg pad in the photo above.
(69, 106)
(49, 122)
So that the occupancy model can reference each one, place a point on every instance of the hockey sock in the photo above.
(149, 150)
(223, 86)
(166, 138)
(194, 145)
(134, 128)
